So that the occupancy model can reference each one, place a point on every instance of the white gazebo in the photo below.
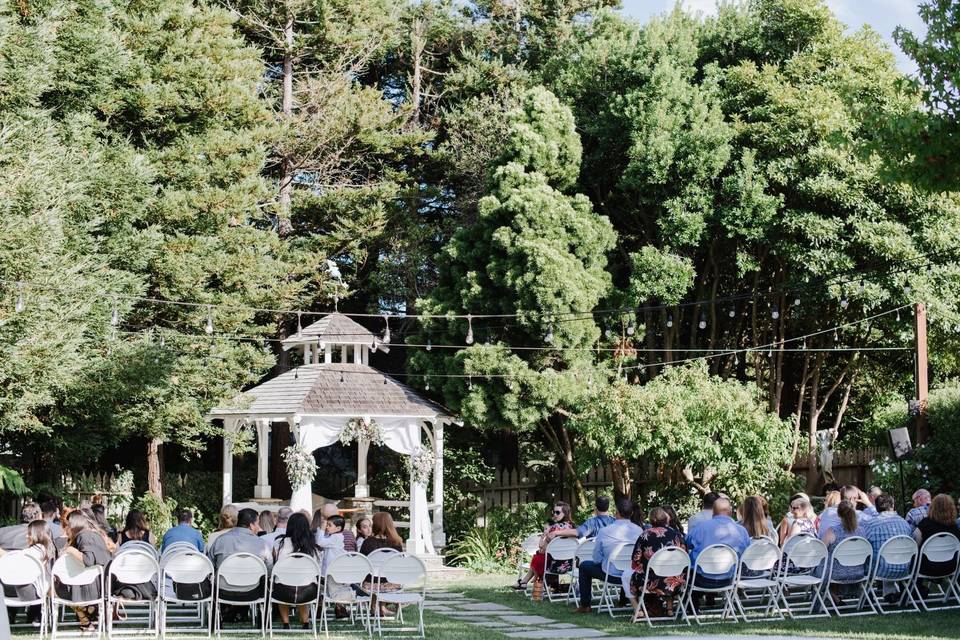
(334, 386)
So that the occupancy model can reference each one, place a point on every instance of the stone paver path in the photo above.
(513, 623)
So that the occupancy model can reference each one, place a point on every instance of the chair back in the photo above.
(897, 557)
(378, 556)
(531, 544)
(669, 562)
(406, 571)
(178, 547)
(717, 559)
(134, 567)
(138, 545)
(349, 568)
(621, 558)
(562, 548)
(296, 570)
(762, 555)
(71, 572)
(807, 552)
(18, 568)
(241, 570)
(853, 552)
(941, 547)
(585, 550)
(187, 567)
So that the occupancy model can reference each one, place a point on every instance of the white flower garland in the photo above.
(301, 467)
(361, 429)
(421, 464)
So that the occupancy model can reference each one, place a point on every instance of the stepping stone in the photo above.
(576, 632)
(486, 606)
(438, 608)
(524, 619)
(473, 614)
(496, 625)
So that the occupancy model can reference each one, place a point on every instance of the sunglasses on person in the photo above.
(557, 512)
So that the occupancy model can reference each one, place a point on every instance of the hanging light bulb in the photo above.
(19, 306)
(163, 341)
(426, 386)
(836, 335)
(386, 330)
(770, 352)
(804, 344)
(384, 380)
(732, 313)
(299, 324)
(429, 345)
(736, 360)
(469, 383)
(844, 303)
(209, 327)
(341, 376)
(703, 321)
(549, 337)
(863, 285)
(374, 345)
(906, 288)
(607, 332)
(669, 320)
(631, 329)
(296, 373)
(469, 339)
(775, 313)
(796, 302)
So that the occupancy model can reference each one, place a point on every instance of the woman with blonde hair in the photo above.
(800, 520)
(228, 520)
(755, 520)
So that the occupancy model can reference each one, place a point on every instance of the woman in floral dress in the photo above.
(559, 519)
(658, 591)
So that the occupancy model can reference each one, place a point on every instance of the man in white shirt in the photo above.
(271, 539)
(608, 539)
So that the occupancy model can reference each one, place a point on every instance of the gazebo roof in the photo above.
(346, 389)
(333, 328)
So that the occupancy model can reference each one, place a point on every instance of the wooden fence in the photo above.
(514, 487)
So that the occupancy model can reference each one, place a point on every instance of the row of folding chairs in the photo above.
(768, 583)
(186, 581)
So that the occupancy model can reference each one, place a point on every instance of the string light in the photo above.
(630, 328)
(341, 376)
(429, 345)
(296, 373)
(607, 332)
(898, 315)
(549, 337)
(703, 321)
(775, 313)
(209, 327)
(669, 320)
(469, 338)
(299, 324)
(386, 330)
(844, 303)
(796, 302)
(426, 385)
(470, 383)
(733, 312)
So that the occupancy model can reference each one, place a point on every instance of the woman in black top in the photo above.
(136, 528)
(941, 518)
(384, 536)
(87, 545)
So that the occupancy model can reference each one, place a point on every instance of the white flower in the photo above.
(301, 467)
(362, 430)
(421, 465)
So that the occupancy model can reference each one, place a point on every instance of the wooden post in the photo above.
(155, 467)
(920, 375)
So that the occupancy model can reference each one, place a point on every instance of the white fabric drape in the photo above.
(399, 434)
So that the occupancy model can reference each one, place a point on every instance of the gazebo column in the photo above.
(307, 354)
(229, 430)
(439, 536)
(302, 496)
(357, 354)
(344, 349)
(262, 489)
(362, 489)
(317, 348)
(419, 541)
(327, 354)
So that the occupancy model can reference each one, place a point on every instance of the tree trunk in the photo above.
(154, 467)
(622, 478)
(284, 225)
(416, 82)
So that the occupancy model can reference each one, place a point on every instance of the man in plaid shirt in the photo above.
(878, 530)
(921, 504)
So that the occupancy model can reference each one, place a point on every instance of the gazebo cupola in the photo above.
(333, 338)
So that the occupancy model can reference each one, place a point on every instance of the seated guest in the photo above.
(921, 505)
(860, 500)
(296, 538)
(559, 519)
(14, 537)
(828, 517)
(941, 518)
(268, 522)
(51, 514)
(136, 528)
(100, 517)
(87, 545)
(610, 537)
(383, 535)
(755, 520)
(721, 529)
(183, 532)
(874, 493)
(39, 546)
(364, 530)
(330, 510)
(241, 538)
(847, 527)
(316, 523)
(658, 591)
(332, 541)
(800, 521)
(592, 525)
(283, 516)
(227, 521)
(674, 522)
(885, 526)
(706, 512)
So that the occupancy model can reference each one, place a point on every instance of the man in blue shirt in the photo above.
(183, 532)
(706, 512)
(610, 537)
(721, 529)
(591, 526)
(921, 505)
(878, 530)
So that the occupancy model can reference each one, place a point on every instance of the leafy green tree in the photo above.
(533, 251)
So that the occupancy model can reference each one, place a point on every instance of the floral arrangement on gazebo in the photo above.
(362, 430)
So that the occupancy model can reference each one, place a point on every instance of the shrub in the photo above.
(159, 514)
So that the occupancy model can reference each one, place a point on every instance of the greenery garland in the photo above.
(301, 467)
(361, 429)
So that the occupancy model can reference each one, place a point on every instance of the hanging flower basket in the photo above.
(362, 430)
(421, 463)
(301, 467)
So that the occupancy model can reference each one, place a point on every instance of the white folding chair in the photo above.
(19, 569)
(668, 562)
(240, 572)
(299, 571)
(558, 549)
(186, 568)
(807, 555)
(133, 567)
(942, 547)
(584, 552)
(716, 559)
(620, 560)
(529, 546)
(70, 572)
(757, 574)
(409, 574)
(851, 553)
(343, 571)
(139, 545)
(894, 567)
(177, 547)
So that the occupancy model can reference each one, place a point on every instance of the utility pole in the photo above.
(920, 374)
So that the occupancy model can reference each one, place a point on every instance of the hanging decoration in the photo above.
(363, 430)
(421, 464)
(301, 467)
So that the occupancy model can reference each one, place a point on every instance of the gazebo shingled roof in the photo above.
(317, 389)
(333, 328)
